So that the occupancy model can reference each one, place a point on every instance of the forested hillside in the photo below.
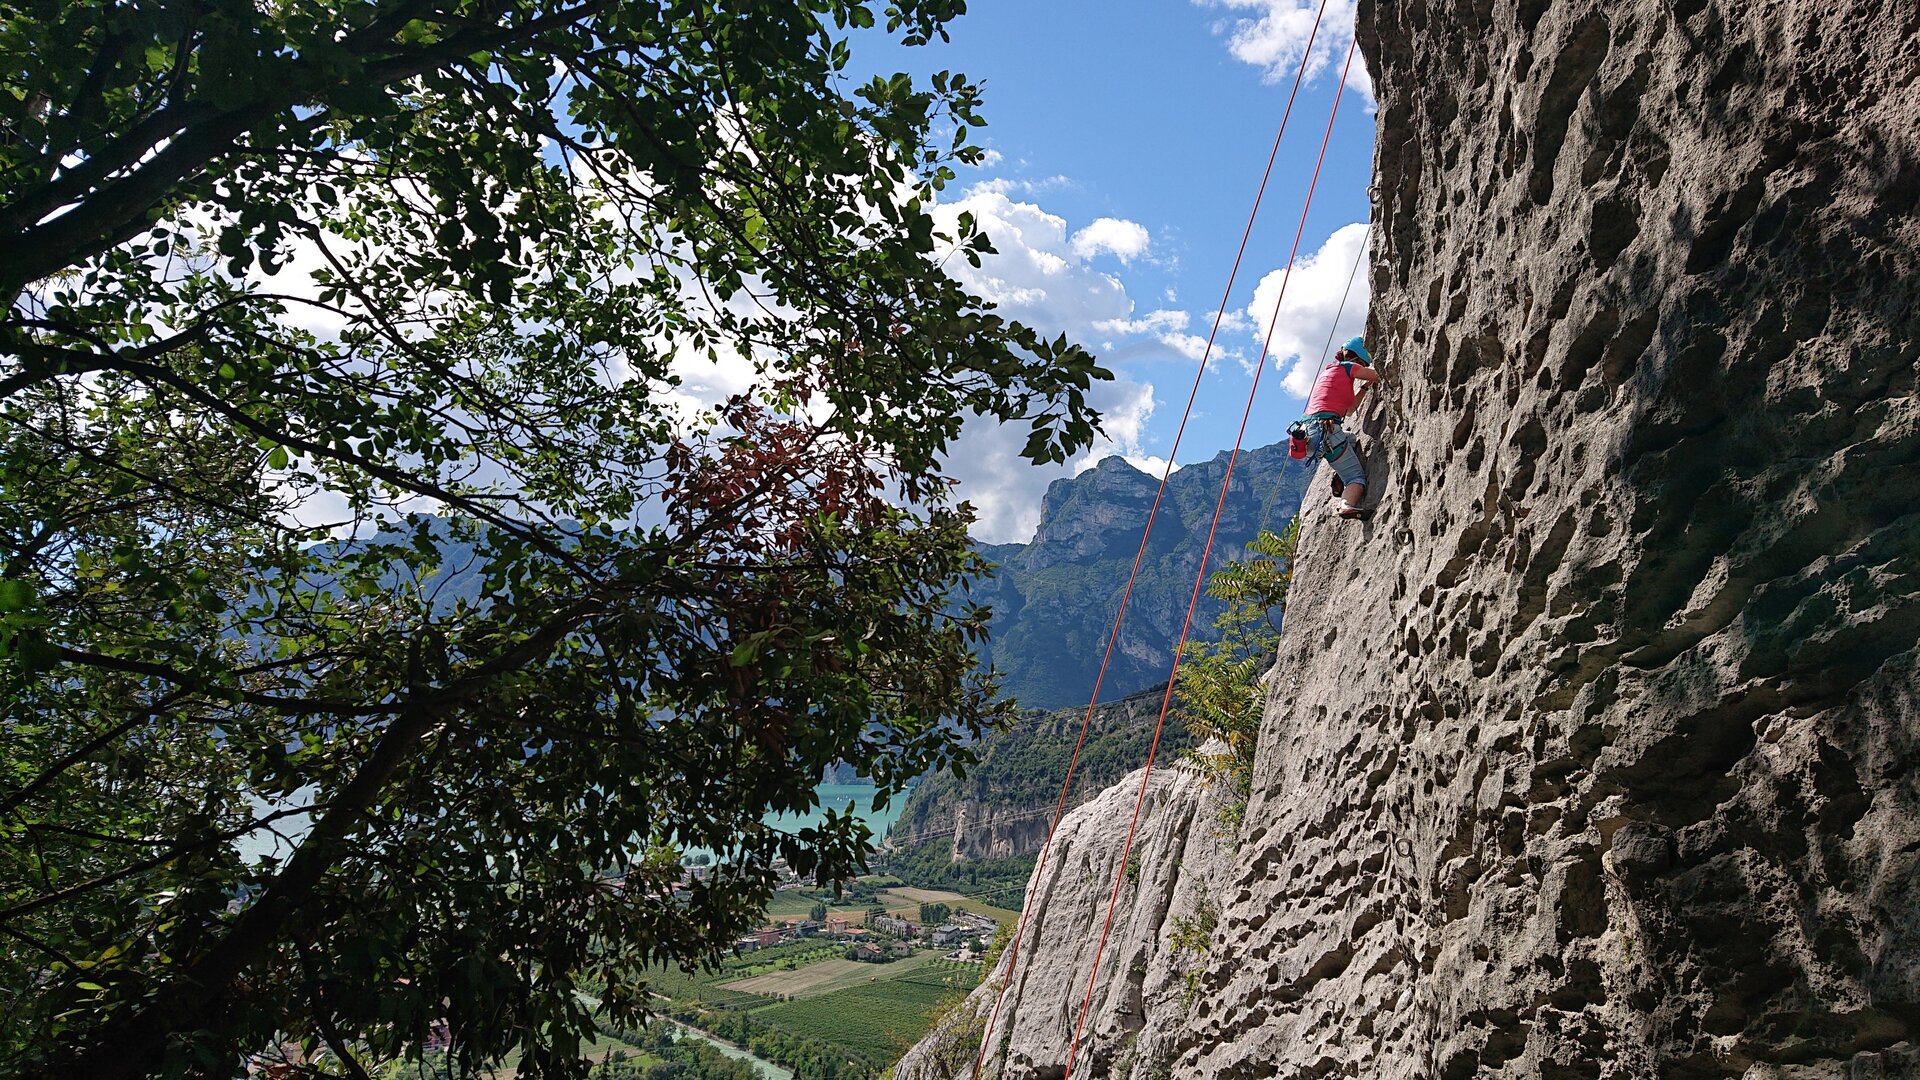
(1000, 809)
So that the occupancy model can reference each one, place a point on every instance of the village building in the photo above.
(893, 924)
(973, 921)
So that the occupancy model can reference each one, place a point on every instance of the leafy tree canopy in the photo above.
(278, 271)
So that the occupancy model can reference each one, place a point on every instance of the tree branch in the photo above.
(105, 213)
(125, 1048)
(152, 862)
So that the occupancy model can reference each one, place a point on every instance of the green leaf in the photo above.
(15, 594)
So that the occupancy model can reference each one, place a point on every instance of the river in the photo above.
(767, 1069)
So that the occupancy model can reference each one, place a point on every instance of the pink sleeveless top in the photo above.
(1332, 391)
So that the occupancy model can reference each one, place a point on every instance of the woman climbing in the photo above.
(1338, 391)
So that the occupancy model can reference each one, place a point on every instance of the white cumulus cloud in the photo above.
(1157, 321)
(1313, 312)
(1037, 277)
(1119, 237)
(1271, 35)
(1043, 276)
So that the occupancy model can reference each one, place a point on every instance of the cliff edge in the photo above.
(1592, 754)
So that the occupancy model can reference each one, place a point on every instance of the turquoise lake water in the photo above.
(836, 796)
(839, 797)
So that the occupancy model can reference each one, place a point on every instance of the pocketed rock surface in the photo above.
(1593, 753)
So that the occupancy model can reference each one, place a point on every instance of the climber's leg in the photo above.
(1349, 471)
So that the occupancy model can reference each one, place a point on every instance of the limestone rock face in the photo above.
(1002, 807)
(1150, 968)
(1595, 753)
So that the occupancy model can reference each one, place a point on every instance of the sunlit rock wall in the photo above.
(1593, 754)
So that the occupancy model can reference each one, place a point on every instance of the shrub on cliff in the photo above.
(1218, 694)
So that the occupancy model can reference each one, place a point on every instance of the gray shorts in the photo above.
(1342, 452)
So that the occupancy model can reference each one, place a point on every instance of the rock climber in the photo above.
(1338, 391)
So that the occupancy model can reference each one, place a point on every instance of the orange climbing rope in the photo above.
(1026, 902)
(1126, 850)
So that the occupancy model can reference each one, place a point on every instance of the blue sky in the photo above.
(1128, 139)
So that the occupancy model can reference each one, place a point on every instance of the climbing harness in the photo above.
(1326, 422)
(1026, 903)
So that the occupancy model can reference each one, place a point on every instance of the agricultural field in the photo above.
(702, 987)
(877, 1020)
(873, 1011)
(923, 896)
(903, 898)
(825, 977)
(792, 906)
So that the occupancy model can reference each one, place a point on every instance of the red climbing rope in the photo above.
(1026, 901)
(1126, 850)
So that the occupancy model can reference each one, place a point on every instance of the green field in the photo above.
(877, 1020)
(702, 987)
(873, 1010)
(903, 898)
(796, 905)
(827, 976)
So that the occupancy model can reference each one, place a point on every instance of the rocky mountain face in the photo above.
(1054, 599)
(1003, 805)
(1151, 965)
(1593, 753)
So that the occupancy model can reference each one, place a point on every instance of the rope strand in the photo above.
(1026, 903)
(1166, 701)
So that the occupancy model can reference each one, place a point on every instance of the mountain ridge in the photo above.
(1054, 597)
